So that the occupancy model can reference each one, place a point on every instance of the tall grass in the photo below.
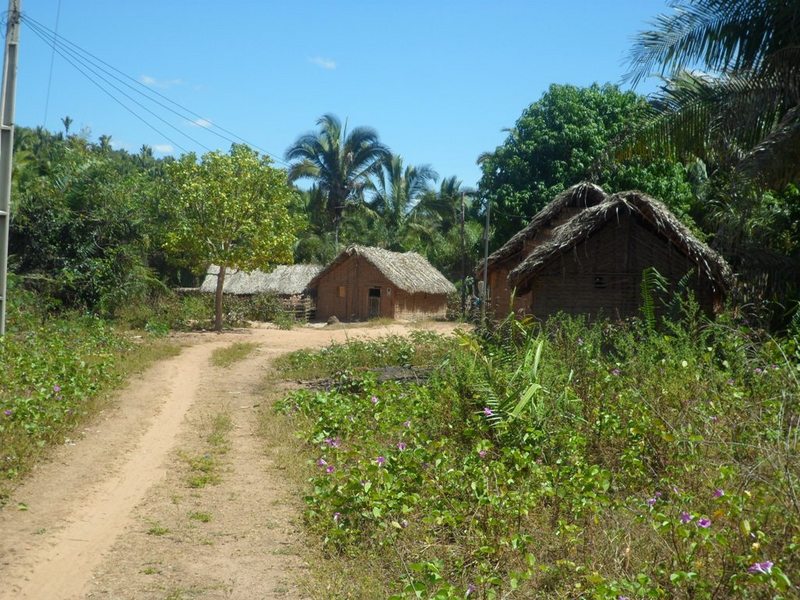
(565, 460)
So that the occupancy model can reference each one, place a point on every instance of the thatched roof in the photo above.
(406, 270)
(581, 195)
(581, 226)
(283, 280)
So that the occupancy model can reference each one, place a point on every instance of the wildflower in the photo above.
(704, 523)
(731, 382)
(404, 523)
(8, 412)
(580, 341)
(623, 598)
(56, 388)
(658, 494)
(718, 493)
(714, 418)
(471, 589)
(336, 517)
(758, 371)
(615, 372)
(374, 399)
(482, 453)
(321, 462)
(686, 517)
(774, 367)
(487, 411)
(330, 469)
(651, 502)
(407, 423)
(758, 568)
(333, 442)
(401, 446)
(380, 460)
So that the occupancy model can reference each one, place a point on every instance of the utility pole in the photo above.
(7, 98)
(463, 264)
(485, 294)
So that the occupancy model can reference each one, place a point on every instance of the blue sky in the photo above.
(437, 79)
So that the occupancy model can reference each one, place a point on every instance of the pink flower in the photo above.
(374, 399)
(760, 568)
(321, 462)
(487, 411)
(401, 446)
(615, 372)
(718, 493)
(380, 460)
(704, 523)
(336, 517)
(330, 469)
(686, 517)
(482, 453)
(56, 388)
(407, 423)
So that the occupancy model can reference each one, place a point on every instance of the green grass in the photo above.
(156, 529)
(206, 468)
(225, 357)
(559, 460)
(203, 517)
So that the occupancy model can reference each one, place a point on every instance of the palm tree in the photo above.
(744, 109)
(338, 161)
(398, 189)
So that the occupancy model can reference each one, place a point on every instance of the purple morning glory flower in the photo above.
(718, 493)
(651, 502)
(757, 371)
(336, 517)
(8, 412)
(380, 460)
(471, 589)
(482, 453)
(404, 523)
(401, 446)
(322, 462)
(615, 372)
(623, 598)
(686, 517)
(730, 382)
(487, 411)
(407, 423)
(774, 367)
(760, 568)
(330, 469)
(374, 399)
(56, 388)
(704, 523)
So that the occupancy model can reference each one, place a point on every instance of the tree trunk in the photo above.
(218, 299)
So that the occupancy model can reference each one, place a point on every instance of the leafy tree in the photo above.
(338, 161)
(398, 189)
(746, 112)
(228, 209)
(563, 138)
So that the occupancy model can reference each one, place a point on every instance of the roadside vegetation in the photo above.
(599, 460)
(225, 357)
(57, 370)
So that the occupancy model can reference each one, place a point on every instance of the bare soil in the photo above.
(112, 515)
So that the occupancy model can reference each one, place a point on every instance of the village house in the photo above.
(364, 283)
(585, 254)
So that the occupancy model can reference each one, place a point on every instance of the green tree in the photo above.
(338, 161)
(746, 112)
(563, 138)
(398, 190)
(228, 209)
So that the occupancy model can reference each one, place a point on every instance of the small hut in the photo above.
(288, 282)
(592, 263)
(504, 260)
(364, 283)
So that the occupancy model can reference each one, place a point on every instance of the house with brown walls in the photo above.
(364, 283)
(592, 263)
(540, 229)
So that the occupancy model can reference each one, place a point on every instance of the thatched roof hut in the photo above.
(364, 282)
(284, 280)
(592, 263)
(503, 260)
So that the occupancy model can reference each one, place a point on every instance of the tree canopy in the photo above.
(231, 210)
(566, 137)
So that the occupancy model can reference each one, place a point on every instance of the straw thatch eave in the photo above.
(283, 280)
(407, 271)
(710, 264)
(581, 195)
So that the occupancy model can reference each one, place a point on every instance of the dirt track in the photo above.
(111, 515)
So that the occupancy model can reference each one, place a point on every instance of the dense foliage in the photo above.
(53, 370)
(601, 461)
(563, 138)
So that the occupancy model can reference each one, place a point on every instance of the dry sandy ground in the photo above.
(112, 516)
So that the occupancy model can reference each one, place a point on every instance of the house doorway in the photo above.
(374, 306)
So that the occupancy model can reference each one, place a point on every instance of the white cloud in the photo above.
(159, 83)
(205, 123)
(323, 63)
(163, 148)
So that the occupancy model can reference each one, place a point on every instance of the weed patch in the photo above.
(225, 357)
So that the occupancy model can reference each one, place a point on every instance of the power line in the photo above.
(52, 61)
(87, 59)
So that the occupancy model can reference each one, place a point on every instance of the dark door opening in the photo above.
(374, 303)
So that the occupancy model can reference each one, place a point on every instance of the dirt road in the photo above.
(116, 514)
